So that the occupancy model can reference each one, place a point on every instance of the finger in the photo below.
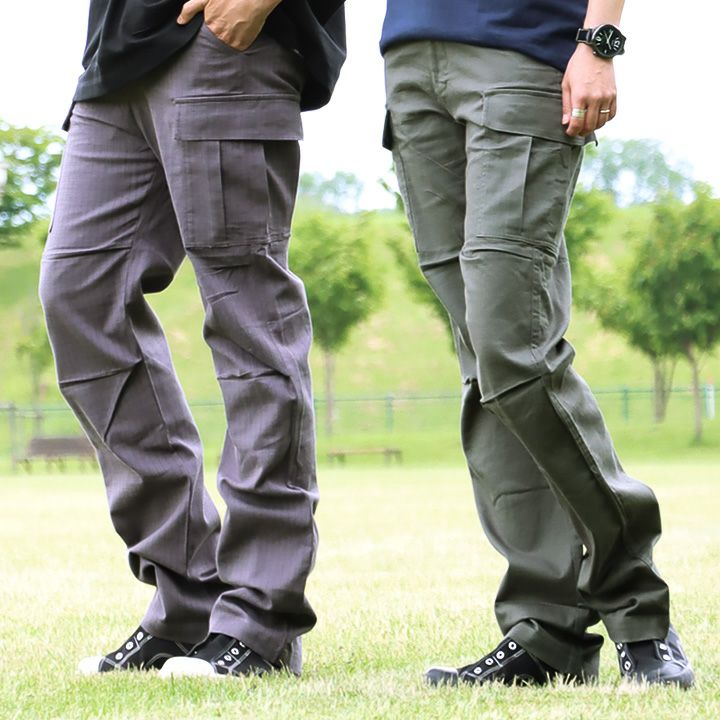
(565, 104)
(613, 109)
(240, 38)
(592, 119)
(578, 113)
(190, 9)
(604, 113)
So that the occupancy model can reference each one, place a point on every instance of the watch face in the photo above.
(608, 41)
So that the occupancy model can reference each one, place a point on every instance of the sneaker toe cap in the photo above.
(442, 676)
(187, 667)
(676, 674)
(90, 665)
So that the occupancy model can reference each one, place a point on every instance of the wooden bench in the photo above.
(390, 454)
(57, 450)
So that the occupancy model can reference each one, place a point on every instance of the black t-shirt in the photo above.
(129, 38)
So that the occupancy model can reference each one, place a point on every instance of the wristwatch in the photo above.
(606, 40)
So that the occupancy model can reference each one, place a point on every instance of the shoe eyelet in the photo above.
(489, 661)
(627, 665)
(666, 657)
(118, 656)
(500, 655)
(512, 646)
(477, 670)
(128, 646)
(140, 636)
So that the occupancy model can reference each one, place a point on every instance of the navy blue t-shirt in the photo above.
(543, 29)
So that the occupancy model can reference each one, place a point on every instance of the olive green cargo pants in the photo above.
(487, 174)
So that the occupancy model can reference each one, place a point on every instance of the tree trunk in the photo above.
(329, 365)
(697, 397)
(663, 371)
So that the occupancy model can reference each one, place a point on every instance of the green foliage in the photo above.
(633, 171)
(587, 226)
(332, 253)
(31, 159)
(34, 350)
(587, 223)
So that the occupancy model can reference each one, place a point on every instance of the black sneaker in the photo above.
(656, 661)
(141, 651)
(509, 663)
(220, 655)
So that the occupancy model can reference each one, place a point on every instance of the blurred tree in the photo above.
(668, 303)
(678, 273)
(341, 192)
(31, 159)
(633, 171)
(621, 308)
(331, 252)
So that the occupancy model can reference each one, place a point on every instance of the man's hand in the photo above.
(236, 22)
(589, 85)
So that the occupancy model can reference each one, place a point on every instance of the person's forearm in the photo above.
(589, 92)
(601, 12)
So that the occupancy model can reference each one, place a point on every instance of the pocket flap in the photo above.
(238, 117)
(528, 112)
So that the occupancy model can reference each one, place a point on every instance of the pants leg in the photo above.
(538, 602)
(113, 239)
(226, 127)
(521, 173)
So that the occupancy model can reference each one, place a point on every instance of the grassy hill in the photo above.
(402, 350)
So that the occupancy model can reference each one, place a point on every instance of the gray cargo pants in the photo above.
(487, 174)
(200, 160)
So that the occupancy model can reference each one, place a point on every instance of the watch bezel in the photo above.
(590, 37)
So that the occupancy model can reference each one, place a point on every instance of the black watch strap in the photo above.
(584, 35)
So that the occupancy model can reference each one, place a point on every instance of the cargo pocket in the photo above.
(523, 168)
(240, 160)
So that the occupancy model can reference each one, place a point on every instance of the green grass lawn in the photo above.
(404, 579)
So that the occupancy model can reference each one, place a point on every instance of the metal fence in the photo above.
(388, 419)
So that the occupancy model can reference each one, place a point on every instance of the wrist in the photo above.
(586, 52)
(604, 41)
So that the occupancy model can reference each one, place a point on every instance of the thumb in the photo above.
(189, 10)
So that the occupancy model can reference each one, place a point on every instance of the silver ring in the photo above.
(578, 112)
(605, 112)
